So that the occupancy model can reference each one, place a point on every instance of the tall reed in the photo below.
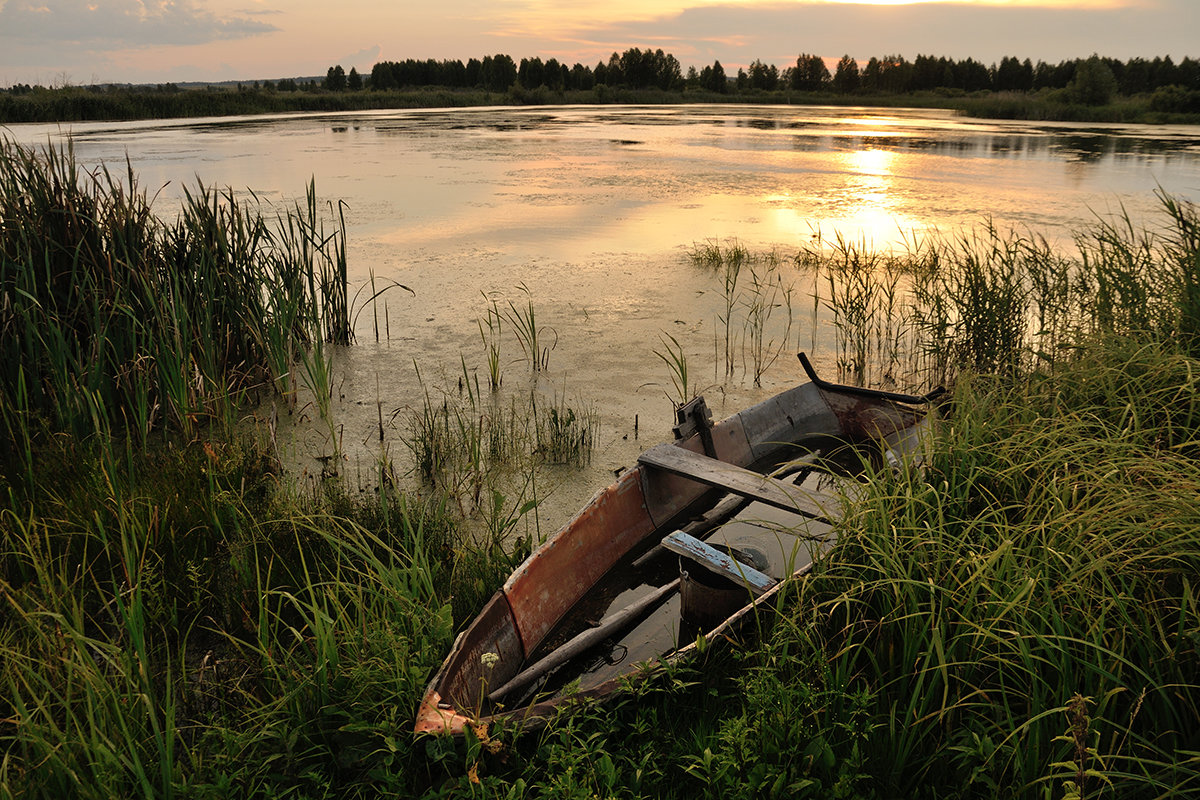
(114, 317)
(522, 320)
(1004, 302)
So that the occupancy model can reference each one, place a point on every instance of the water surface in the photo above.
(593, 209)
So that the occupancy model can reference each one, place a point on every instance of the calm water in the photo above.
(593, 210)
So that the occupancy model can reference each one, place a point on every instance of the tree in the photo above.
(554, 75)
(471, 72)
(614, 75)
(895, 74)
(973, 76)
(1013, 75)
(354, 81)
(717, 80)
(581, 78)
(497, 73)
(381, 77)
(810, 74)
(846, 78)
(1094, 83)
(871, 78)
(335, 79)
(531, 73)
(928, 72)
(764, 76)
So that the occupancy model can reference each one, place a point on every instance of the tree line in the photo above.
(1079, 89)
(894, 74)
(635, 69)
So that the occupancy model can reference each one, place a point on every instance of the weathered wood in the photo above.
(721, 563)
(730, 506)
(744, 482)
(589, 638)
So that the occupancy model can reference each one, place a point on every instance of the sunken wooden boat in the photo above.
(690, 541)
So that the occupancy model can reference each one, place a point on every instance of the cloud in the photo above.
(365, 58)
(121, 23)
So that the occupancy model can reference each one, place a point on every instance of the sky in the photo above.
(63, 42)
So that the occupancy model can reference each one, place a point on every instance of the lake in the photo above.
(590, 213)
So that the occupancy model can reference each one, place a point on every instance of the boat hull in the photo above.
(628, 517)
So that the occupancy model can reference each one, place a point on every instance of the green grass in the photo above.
(114, 319)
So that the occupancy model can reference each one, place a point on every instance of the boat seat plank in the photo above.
(744, 482)
(718, 562)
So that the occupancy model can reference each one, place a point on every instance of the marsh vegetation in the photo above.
(1015, 616)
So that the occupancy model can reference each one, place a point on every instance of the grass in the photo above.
(1017, 616)
(522, 321)
(752, 289)
(115, 319)
(1002, 302)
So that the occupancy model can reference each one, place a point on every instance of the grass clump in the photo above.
(115, 319)
(1004, 303)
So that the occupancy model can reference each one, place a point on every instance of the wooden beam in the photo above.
(721, 563)
(744, 482)
(730, 506)
(584, 641)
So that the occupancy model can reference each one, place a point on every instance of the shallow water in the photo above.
(593, 211)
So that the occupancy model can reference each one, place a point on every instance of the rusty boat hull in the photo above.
(559, 582)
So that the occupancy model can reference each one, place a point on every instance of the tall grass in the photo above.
(242, 639)
(1044, 554)
(1003, 302)
(114, 318)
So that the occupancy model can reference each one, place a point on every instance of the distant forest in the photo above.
(1091, 89)
(644, 69)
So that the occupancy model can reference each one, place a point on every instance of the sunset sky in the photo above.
(53, 42)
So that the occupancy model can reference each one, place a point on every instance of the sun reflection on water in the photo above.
(867, 202)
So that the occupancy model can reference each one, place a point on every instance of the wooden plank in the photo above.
(729, 507)
(744, 482)
(568, 565)
(718, 562)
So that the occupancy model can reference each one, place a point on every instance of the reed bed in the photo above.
(467, 446)
(1002, 302)
(113, 319)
